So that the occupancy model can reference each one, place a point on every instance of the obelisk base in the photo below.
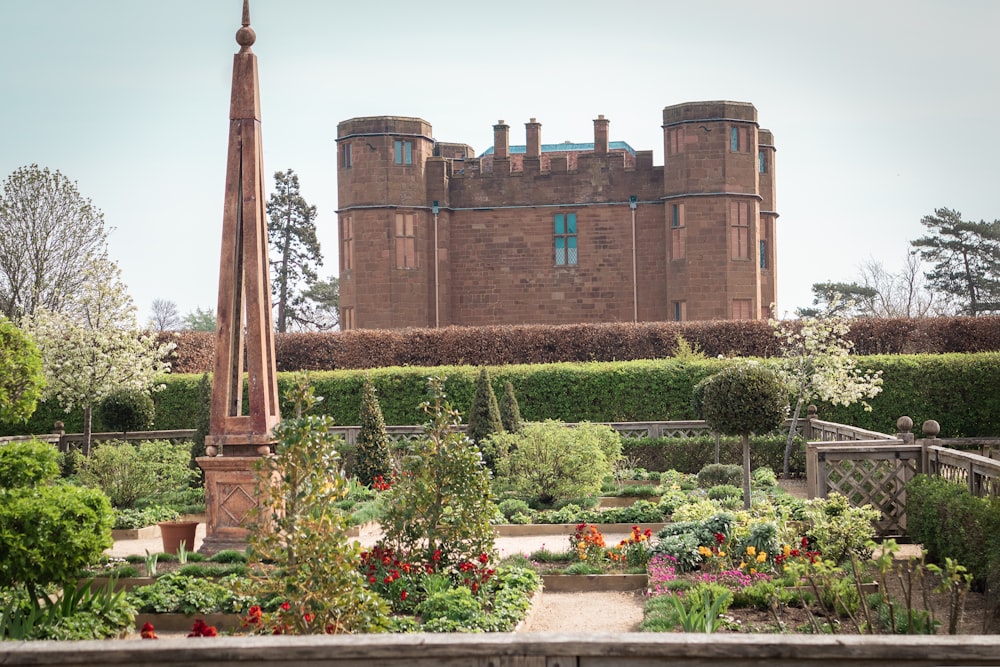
(230, 495)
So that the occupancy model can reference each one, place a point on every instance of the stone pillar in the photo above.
(244, 325)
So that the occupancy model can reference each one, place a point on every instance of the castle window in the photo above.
(346, 244)
(739, 140)
(763, 254)
(680, 311)
(742, 309)
(402, 151)
(761, 162)
(675, 140)
(678, 232)
(565, 239)
(346, 160)
(406, 257)
(739, 221)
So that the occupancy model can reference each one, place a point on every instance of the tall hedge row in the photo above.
(957, 390)
(537, 344)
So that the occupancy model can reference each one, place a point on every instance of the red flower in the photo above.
(720, 538)
(200, 629)
(484, 558)
(403, 595)
(148, 631)
(285, 606)
(437, 555)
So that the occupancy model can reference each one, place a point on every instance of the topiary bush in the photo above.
(126, 410)
(550, 461)
(741, 399)
(484, 416)
(21, 376)
(510, 411)
(372, 453)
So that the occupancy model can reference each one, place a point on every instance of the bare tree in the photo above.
(900, 294)
(48, 234)
(165, 317)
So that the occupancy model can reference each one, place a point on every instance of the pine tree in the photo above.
(292, 237)
(484, 413)
(510, 411)
(373, 442)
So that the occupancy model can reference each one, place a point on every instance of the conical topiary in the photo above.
(484, 413)
(373, 442)
(510, 411)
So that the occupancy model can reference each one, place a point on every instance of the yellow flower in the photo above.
(722, 554)
(742, 565)
(787, 550)
(704, 551)
(761, 557)
(751, 550)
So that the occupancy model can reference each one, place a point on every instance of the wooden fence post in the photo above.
(930, 430)
(807, 428)
(59, 429)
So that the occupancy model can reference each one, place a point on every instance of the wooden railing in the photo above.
(63, 440)
(876, 471)
(523, 650)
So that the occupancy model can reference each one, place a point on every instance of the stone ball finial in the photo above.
(811, 412)
(245, 37)
(904, 424)
(931, 428)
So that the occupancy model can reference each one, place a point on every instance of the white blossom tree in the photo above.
(817, 364)
(94, 346)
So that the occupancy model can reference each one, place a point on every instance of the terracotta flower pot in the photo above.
(175, 532)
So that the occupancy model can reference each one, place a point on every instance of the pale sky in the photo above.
(881, 110)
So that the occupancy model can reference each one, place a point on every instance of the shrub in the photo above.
(715, 474)
(840, 531)
(48, 533)
(302, 538)
(550, 461)
(952, 523)
(116, 468)
(26, 464)
(21, 376)
(126, 410)
(442, 503)
(372, 455)
(510, 411)
(512, 506)
(724, 491)
(202, 423)
(484, 414)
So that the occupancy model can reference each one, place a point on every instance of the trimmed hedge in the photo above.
(952, 523)
(690, 455)
(538, 344)
(957, 390)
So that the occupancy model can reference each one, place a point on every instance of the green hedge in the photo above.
(957, 390)
(690, 455)
(952, 523)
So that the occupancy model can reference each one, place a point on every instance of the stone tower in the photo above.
(718, 191)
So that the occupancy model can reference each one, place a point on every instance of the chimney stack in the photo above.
(533, 130)
(601, 135)
(501, 140)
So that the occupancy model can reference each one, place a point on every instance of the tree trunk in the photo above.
(791, 436)
(87, 429)
(746, 471)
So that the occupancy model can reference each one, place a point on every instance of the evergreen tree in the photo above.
(965, 258)
(510, 411)
(295, 251)
(373, 442)
(484, 413)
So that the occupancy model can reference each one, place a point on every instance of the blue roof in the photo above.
(564, 147)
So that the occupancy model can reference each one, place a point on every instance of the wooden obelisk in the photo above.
(244, 327)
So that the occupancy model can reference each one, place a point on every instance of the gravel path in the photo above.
(586, 612)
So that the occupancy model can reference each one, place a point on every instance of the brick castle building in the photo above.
(431, 235)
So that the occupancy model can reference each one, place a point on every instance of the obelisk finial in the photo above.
(245, 36)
